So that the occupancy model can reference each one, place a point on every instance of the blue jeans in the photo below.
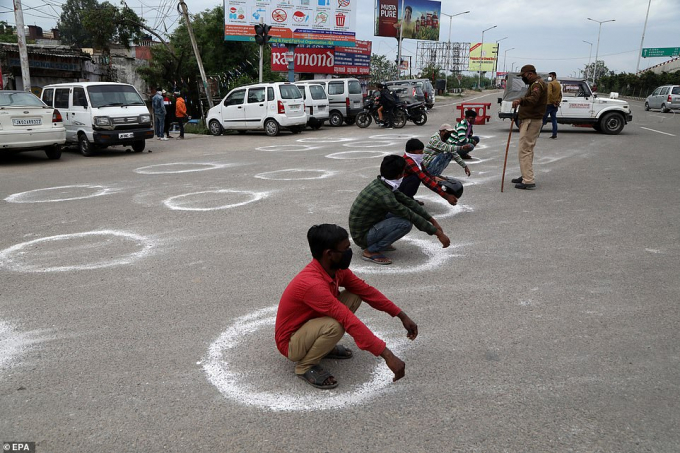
(159, 123)
(386, 232)
(439, 164)
(551, 111)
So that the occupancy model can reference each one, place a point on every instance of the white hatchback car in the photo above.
(27, 124)
(263, 106)
(317, 106)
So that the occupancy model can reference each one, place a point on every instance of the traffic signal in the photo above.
(262, 33)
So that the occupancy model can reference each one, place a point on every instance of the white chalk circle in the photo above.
(394, 136)
(239, 383)
(178, 167)
(443, 209)
(358, 154)
(212, 200)
(285, 148)
(325, 139)
(60, 193)
(371, 144)
(77, 251)
(435, 255)
(295, 174)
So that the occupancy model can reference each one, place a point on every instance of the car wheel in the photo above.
(612, 123)
(399, 120)
(86, 148)
(421, 120)
(139, 146)
(646, 106)
(664, 109)
(215, 128)
(363, 120)
(53, 152)
(271, 127)
(335, 119)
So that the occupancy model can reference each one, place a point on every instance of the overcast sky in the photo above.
(548, 34)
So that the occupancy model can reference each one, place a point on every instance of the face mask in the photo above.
(394, 183)
(525, 80)
(344, 261)
(549, 79)
(417, 158)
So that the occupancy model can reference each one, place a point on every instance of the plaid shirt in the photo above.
(426, 178)
(437, 146)
(375, 202)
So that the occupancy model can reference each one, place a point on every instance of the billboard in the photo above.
(324, 22)
(325, 59)
(482, 59)
(420, 21)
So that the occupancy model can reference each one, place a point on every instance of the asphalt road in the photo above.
(137, 297)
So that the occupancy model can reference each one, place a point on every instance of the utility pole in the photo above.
(642, 41)
(198, 55)
(21, 41)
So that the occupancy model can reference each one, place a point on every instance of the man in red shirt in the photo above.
(414, 174)
(314, 314)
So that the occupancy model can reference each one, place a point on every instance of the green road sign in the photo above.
(660, 52)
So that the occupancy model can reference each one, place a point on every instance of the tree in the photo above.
(6, 32)
(106, 24)
(382, 69)
(596, 69)
(71, 22)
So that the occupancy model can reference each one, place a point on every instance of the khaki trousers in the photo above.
(317, 337)
(528, 133)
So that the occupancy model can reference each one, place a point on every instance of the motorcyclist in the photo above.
(387, 102)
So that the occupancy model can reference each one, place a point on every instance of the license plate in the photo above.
(126, 135)
(294, 106)
(26, 121)
(357, 104)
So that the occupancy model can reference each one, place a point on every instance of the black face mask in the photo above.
(344, 261)
(525, 80)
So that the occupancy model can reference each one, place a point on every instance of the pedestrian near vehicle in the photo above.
(158, 108)
(386, 108)
(530, 115)
(438, 152)
(169, 113)
(381, 215)
(554, 101)
(414, 174)
(464, 134)
(313, 313)
(180, 113)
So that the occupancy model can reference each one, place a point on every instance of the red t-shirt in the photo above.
(313, 293)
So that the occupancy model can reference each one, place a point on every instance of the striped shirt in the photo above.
(436, 146)
(461, 135)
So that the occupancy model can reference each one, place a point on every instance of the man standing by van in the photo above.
(158, 108)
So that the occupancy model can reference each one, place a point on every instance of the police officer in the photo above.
(530, 116)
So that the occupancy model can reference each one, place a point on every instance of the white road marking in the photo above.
(62, 192)
(239, 385)
(198, 166)
(29, 257)
(329, 140)
(373, 144)
(286, 148)
(280, 175)
(659, 132)
(358, 154)
(184, 202)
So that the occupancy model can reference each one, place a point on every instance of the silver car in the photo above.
(665, 97)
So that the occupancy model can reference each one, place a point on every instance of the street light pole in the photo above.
(597, 51)
(495, 63)
(637, 68)
(481, 55)
(512, 68)
(505, 57)
(589, 55)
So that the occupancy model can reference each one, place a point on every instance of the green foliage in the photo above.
(431, 34)
(597, 68)
(382, 69)
(7, 32)
(106, 24)
(432, 72)
(632, 85)
(71, 22)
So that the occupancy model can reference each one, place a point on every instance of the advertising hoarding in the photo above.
(323, 22)
(421, 19)
(325, 59)
(482, 60)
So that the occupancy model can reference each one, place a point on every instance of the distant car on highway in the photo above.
(27, 124)
(665, 97)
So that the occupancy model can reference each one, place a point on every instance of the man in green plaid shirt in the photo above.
(438, 153)
(381, 214)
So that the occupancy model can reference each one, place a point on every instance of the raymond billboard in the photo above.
(420, 21)
(326, 59)
(482, 60)
(324, 22)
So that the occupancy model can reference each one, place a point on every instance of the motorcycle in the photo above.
(370, 114)
(415, 112)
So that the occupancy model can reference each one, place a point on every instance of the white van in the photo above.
(100, 114)
(316, 104)
(267, 106)
(345, 99)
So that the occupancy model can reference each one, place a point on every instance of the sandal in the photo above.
(339, 352)
(316, 376)
(389, 248)
(377, 258)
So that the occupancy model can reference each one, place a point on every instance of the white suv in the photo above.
(263, 106)
(579, 105)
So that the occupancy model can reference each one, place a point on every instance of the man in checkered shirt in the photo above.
(438, 153)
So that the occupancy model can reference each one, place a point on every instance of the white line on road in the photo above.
(653, 130)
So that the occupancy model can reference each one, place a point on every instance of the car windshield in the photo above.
(113, 95)
(676, 90)
(20, 99)
(290, 92)
(354, 87)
